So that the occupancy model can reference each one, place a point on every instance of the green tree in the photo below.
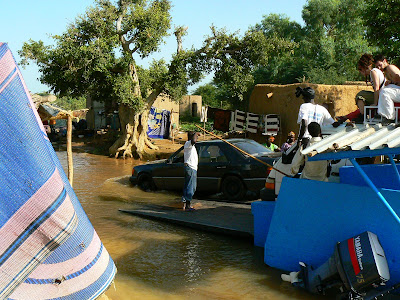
(335, 38)
(325, 49)
(94, 58)
(233, 58)
(71, 103)
(283, 66)
(220, 96)
(208, 93)
(280, 26)
(97, 57)
(381, 19)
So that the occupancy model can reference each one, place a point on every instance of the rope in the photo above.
(244, 152)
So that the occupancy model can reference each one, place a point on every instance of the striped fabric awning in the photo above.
(48, 247)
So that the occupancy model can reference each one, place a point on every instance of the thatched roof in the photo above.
(50, 112)
(38, 99)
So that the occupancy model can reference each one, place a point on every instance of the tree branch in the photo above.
(153, 96)
(124, 43)
(179, 33)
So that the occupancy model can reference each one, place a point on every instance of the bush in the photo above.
(189, 124)
(325, 76)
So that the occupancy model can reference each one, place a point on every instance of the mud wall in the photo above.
(190, 105)
(338, 99)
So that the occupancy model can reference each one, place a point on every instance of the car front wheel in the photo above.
(233, 188)
(145, 182)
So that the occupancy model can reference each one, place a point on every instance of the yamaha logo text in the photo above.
(359, 252)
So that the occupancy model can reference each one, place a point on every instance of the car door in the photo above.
(172, 174)
(213, 164)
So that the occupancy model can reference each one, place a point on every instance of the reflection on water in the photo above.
(156, 260)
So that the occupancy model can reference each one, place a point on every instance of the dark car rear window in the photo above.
(252, 147)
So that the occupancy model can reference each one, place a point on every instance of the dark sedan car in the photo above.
(222, 168)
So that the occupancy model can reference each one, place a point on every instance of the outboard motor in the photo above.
(358, 267)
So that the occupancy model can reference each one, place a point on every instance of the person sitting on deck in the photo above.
(314, 170)
(391, 93)
(364, 97)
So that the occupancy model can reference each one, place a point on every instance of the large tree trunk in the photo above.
(134, 133)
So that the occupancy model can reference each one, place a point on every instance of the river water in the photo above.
(160, 261)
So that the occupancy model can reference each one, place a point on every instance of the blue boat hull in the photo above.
(310, 217)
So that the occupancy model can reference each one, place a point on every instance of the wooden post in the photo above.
(204, 120)
(172, 125)
(204, 128)
(69, 150)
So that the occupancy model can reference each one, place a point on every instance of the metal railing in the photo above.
(371, 115)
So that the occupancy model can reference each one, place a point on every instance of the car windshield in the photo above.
(252, 147)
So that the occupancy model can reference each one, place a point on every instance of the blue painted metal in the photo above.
(307, 227)
(381, 175)
(354, 154)
(395, 168)
(262, 212)
(373, 187)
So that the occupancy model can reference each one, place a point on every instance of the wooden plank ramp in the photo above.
(232, 219)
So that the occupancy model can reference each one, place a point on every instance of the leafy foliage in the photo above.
(96, 54)
(233, 58)
(326, 76)
(283, 66)
(89, 59)
(325, 50)
(188, 123)
(70, 103)
(208, 93)
(220, 96)
(335, 39)
(382, 18)
(280, 26)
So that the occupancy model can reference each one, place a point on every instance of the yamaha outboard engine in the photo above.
(358, 267)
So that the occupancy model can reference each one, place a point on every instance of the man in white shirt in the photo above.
(314, 170)
(310, 112)
(191, 161)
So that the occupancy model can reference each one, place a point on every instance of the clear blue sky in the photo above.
(22, 20)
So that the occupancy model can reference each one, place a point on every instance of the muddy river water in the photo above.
(160, 261)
